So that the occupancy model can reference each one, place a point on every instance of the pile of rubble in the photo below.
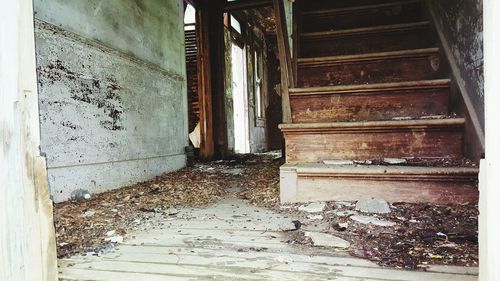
(401, 235)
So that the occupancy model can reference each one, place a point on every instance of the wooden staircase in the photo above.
(369, 86)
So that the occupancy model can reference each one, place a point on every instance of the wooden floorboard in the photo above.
(249, 245)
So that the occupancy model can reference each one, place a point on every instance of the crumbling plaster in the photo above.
(113, 103)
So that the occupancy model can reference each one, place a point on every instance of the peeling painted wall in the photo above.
(461, 22)
(112, 89)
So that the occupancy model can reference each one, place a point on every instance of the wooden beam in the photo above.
(246, 4)
(204, 85)
(287, 79)
(217, 47)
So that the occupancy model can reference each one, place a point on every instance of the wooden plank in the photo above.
(287, 79)
(366, 30)
(374, 125)
(297, 256)
(246, 4)
(370, 102)
(241, 260)
(356, 17)
(27, 236)
(217, 64)
(72, 274)
(365, 40)
(318, 5)
(383, 67)
(204, 84)
(452, 185)
(358, 8)
(197, 271)
(315, 142)
(274, 271)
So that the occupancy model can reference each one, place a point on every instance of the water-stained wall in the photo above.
(112, 91)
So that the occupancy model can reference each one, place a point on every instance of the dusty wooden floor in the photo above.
(233, 240)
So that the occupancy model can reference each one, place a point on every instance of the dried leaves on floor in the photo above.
(423, 233)
(261, 185)
(91, 225)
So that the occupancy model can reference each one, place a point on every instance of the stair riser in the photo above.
(364, 43)
(370, 71)
(383, 105)
(304, 188)
(314, 146)
(363, 18)
(312, 5)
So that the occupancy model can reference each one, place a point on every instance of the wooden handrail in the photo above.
(287, 77)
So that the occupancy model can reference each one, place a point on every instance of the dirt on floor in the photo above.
(93, 225)
(422, 234)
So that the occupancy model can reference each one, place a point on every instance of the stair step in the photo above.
(315, 142)
(362, 16)
(365, 40)
(315, 5)
(395, 66)
(319, 182)
(370, 101)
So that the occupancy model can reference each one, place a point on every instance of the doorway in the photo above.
(240, 99)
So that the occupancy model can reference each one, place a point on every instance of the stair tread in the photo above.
(359, 8)
(375, 124)
(380, 169)
(367, 30)
(372, 86)
(368, 56)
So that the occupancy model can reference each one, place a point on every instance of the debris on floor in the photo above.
(261, 185)
(93, 225)
(314, 207)
(326, 240)
(373, 205)
(412, 235)
(401, 235)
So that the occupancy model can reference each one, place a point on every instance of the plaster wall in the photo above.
(113, 102)
(460, 22)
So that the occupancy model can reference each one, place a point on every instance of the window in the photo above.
(235, 24)
(259, 110)
(189, 18)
